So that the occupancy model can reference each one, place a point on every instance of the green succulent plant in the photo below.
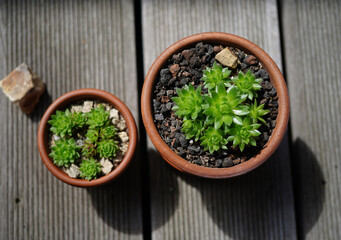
(91, 136)
(107, 148)
(247, 84)
(213, 139)
(90, 169)
(223, 114)
(78, 119)
(192, 128)
(257, 112)
(189, 102)
(108, 132)
(61, 123)
(64, 152)
(99, 134)
(244, 133)
(88, 150)
(215, 76)
(222, 106)
(98, 117)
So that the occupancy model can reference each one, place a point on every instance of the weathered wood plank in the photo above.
(313, 49)
(70, 45)
(256, 206)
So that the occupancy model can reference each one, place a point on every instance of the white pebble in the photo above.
(124, 147)
(123, 136)
(55, 137)
(72, 171)
(87, 106)
(80, 142)
(121, 125)
(114, 114)
(106, 166)
(76, 108)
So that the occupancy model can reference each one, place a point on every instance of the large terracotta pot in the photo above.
(60, 104)
(276, 79)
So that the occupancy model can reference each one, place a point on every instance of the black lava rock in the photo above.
(227, 162)
(262, 74)
(218, 163)
(194, 62)
(159, 117)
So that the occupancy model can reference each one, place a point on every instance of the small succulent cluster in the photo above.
(99, 136)
(225, 114)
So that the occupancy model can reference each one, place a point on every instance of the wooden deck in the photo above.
(110, 45)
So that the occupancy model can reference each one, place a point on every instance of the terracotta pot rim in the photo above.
(276, 79)
(64, 101)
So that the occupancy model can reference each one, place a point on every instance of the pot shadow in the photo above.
(309, 186)
(118, 203)
(44, 102)
(164, 190)
(260, 204)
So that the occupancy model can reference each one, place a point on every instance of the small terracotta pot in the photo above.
(60, 104)
(276, 79)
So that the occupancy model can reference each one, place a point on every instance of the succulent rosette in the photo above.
(78, 119)
(98, 117)
(90, 168)
(61, 123)
(108, 132)
(107, 148)
(224, 113)
(64, 152)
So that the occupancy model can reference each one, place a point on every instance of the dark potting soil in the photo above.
(187, 67)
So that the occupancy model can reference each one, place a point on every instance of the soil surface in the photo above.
(187, 67)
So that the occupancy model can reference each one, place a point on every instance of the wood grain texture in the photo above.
(70, 45)
(313, 49)
(258, 205)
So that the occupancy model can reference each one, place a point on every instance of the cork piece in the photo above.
(23, 87)
(227, 58)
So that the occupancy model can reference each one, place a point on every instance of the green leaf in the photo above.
(240, 112)
(209, 111)
(255, 133)
(238, 120)
(227, 119)
(218, 123)
(221, 90)
(250, 95)
(236, 140)
(253, 142)
(230, 138)
(241, 146)
(232, 93)
(215, 96)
